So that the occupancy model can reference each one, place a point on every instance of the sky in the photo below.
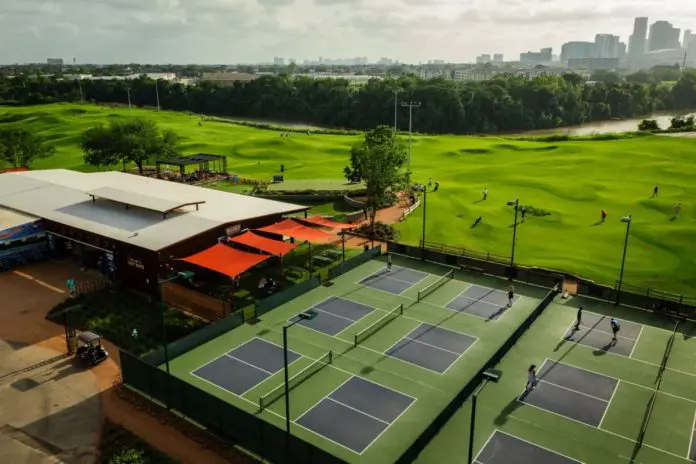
(252, 31)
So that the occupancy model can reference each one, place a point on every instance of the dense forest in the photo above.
(502, 104)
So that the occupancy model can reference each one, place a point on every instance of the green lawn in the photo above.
(431, 389)
(571, 180)
(669, 429)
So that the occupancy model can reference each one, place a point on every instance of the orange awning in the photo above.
(326, 222)
(225, 260)
(274, 247)
(292, 228)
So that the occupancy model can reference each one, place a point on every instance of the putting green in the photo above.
(571, 180)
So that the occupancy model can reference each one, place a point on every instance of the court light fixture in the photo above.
(626, 219)
(492, 374)
(308, 315)
(512, 202)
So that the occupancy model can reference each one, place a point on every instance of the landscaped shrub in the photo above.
(384, 232)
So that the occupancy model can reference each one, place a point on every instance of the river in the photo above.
(608, 127)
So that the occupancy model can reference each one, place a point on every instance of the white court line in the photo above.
(484, 445)
(573, 391)
(249, 364)
(603, 430)
(391, 423)
(625, 381)
(464, 310)
(386, 353)
(630, 355)
(431, 346)
(691, 439)
(460, 356)
(356, 410)
(611, 398)
(336, 315)
(526, 441)
(416, 283)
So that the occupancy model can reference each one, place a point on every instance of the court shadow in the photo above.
(496, 314)
(603, 350)
(598, 223)
(263, 332)
(477, 222)
(511, 407)
(367, 370)
(478, 201)
(673, 218)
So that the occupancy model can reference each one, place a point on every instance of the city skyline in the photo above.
(252, 31)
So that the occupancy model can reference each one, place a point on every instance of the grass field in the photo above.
(612, 438)
(571, 180)
(431, 389)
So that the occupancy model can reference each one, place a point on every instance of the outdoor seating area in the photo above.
(244, 268)
(207, 167)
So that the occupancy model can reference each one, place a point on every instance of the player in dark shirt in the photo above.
(579, 319)
(615, 327)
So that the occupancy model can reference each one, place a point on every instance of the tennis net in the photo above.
(278, 392)
(435, 285)
(378, 324)
(665, 356)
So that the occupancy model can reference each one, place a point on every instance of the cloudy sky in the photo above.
(232, 31)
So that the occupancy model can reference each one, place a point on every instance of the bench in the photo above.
(322, 259)
(295, 271)
(334, 253)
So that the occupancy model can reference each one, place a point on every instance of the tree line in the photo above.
(502, 104)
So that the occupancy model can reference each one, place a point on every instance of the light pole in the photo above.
(305, 316)
(130, 109)
(425, 201)
(627, 219)
(79, 85)
(179, 275)
(396, 94)
(516, 204)
(489, 375)
(410, 105)
(157, 94)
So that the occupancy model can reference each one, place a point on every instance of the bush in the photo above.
(383, 232)
(648, 125)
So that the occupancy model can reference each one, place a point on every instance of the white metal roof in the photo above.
(9, 219)
(125, 197)
(60, 195)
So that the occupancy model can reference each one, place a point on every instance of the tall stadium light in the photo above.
(130, 108)
(304, 316)
(489, 375)
(425, 203)
(79, 85)
(627, 220)
(516, 204)
(410, 105)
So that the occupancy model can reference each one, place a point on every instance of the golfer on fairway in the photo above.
(615, 327)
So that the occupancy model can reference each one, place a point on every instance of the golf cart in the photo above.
(89, 348)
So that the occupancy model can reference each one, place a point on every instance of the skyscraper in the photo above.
(663, 36)
(636, 43)
(607, 45)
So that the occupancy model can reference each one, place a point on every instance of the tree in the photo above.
(20, 148)
(135, 140)
(378, 160)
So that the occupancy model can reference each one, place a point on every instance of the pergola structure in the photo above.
(202, 160)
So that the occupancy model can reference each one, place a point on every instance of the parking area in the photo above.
(396, 281)
(575, 393)
(244, 367)
(595, 332)
(431, 347)
(356, 413)
(503, 448)
(337, 314)
(484, 302)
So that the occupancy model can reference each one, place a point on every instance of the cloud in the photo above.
(226, 31)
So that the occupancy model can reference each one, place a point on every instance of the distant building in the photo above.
(637, 43)
(575, 50)
(543, 56)
(230, 78)
(688, 37)
(498, 58)
(278, 61)
(622, 51)
(594, 64)
(663, 36)
(54, 61)
(483, 59)
(607, 46)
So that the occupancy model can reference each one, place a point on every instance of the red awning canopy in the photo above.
(274, 247)
(225, 260)
(292, 228)
(326, 222)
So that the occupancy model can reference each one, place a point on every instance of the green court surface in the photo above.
(592, 403)
(423, 390)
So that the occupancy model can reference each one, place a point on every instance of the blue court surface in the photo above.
(246, 366)
(431, 347)
(503, 448)
(595, 332)
(484, 302)
(396, 281)
(572, 392)
(356, 414)
(337, 314)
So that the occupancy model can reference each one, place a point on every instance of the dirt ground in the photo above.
(52, 409)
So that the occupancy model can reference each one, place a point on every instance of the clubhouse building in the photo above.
(124, 225)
